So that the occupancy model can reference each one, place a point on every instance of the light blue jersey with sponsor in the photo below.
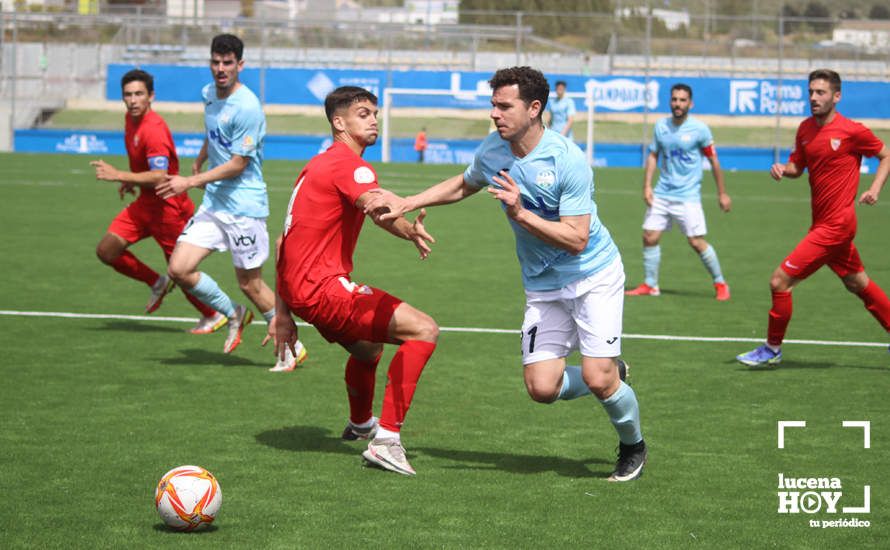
(560, 112)
(554, 180)
(235, 125)
(680, 157)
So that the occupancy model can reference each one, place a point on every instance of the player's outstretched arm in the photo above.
(871, 195)
(107, 172)
(570, 233)
(723, 199)
(400, 227)
(451, 190)
(176, 185)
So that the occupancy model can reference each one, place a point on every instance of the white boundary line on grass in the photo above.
(668, 337)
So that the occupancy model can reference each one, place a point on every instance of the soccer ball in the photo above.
(188, 498)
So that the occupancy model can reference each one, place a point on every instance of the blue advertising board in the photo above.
(298, 148)
(631, 94)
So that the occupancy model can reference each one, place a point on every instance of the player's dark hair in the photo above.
(834, 79)
(560, 83)
(532, 84)
(227, 43)
(140, 76)
(684, 87)
(343, 97)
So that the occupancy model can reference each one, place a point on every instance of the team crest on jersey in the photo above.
(545, 178)
(835, 144)
(363, 174)
(247, 143)
(136, 140)
(685, 138)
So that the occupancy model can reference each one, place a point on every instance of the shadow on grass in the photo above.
(517, 463)
(207, 357)
(305, 439)
(136, 326)
(801, 365)
(204, 531)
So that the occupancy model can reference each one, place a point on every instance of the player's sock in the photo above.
(877, 303)
(651, 261)
(712, 264)
(360, 377)
(383, 433)
(209, 292)
(206, 311)
(624, 412)
(268, 315)
(129, 265)
(573, 385)
(779, 317)
(404, 371)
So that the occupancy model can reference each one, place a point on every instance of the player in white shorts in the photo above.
(233, 213)
(571, 269)
(679, 143)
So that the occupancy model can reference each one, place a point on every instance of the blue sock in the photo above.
(573, 385)
(712, 264)
(624, 412)
(268, 315)
(209, 292)
(651, 260)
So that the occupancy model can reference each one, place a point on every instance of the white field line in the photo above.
(668, 337)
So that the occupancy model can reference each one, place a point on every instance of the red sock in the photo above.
(877, 303)
(129, 265)
(404, 371)
(205, 310)
(779, 317)
(360, 378)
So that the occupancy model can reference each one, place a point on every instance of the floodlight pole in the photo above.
(591, 106)
(387, 102)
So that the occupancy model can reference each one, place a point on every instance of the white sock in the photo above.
(366, 424)
(774, 348)
(383, 433)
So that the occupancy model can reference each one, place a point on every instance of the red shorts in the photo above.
(348, 312)
(164, 224)
(809, 256)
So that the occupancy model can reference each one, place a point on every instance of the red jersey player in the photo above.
(831, 147)
(323, 222)
(152, 156)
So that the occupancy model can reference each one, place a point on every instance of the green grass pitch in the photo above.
(94, 410)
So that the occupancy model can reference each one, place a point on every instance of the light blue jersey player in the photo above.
(562, 111)
(679, 145)
(235, 125)
(233, 214)
(571, 269)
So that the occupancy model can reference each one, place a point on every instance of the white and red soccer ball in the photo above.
(188, 498)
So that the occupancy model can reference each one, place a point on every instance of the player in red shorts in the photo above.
(323, 222)
(152, 156)
(830, 147)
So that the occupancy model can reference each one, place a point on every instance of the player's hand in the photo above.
(507, 192)
(725, 202)
(105, 171)
(777, 171)
(648, 196)
(172, 186)
(869, 197)
(125, 188)
(282, 332)
(385, 205)
(422, 239)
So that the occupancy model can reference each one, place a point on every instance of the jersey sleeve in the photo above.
(244, 131)
(576, 182)
(355, 180)
(867, 142)
(157, 147)
(570, 110)
(474, 175)
(797, 153)
(654, 145)
(705, 137)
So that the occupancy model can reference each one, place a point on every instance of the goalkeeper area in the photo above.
(98, 400)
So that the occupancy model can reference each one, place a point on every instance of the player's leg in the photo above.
(548, 337)
(656, 221)
(165, 234)
(848, 266)
(806, 258)
(597, 312)
(691, 219)
(360, 377)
